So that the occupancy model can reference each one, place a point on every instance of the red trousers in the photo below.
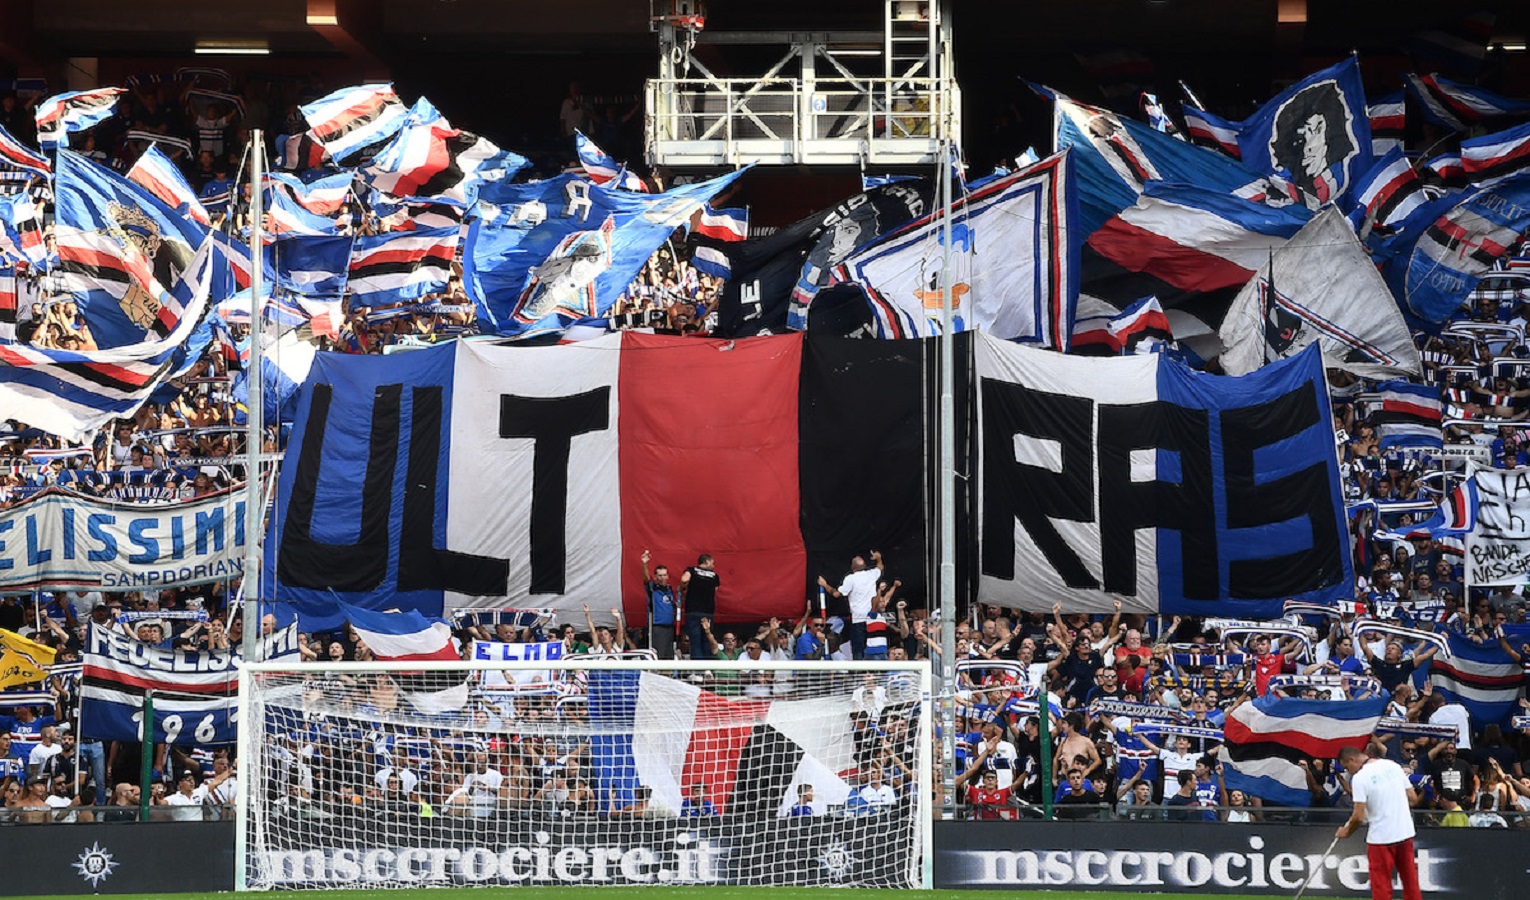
(1388, 858)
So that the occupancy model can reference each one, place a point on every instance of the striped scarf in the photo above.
(1408, 635)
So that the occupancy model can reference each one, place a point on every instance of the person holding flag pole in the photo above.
(1383, 800)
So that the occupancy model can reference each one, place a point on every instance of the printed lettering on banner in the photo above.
(1498, 551)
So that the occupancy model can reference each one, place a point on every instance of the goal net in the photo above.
(369, 775)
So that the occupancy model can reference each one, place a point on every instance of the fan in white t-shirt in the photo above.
(1383, 801)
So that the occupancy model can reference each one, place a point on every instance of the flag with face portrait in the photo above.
(1316, 133)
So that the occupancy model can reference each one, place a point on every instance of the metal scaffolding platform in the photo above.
(863, 98)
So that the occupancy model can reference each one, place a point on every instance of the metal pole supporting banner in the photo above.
(947, 492)
(146, 766)
(254, 509)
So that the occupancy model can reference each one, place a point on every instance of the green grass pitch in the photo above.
(656, 893)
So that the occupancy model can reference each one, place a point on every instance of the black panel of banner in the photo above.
(1213, 858)
(119, 858)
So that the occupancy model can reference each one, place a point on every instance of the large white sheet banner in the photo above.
(516, 412)
(60, 540)
(1498, 550)
(517, 652)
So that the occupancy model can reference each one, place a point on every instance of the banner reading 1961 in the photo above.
(59, 540)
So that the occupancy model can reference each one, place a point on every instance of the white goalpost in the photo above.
(584, 771)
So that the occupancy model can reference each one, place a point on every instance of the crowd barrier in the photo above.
(1213, 858)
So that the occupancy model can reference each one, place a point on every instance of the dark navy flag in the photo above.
(548, 253)
(1315, 133)
(311, 266)
(120, 250)
(1457, 106)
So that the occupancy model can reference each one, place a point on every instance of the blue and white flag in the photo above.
(1212, 131)
(1389, 121)
(715, 230)
(1157, 118)
(551, 252)
(155, 173)
(1458, 106)
(1315, 133)
(352, 119)
(72, 394)
(1387, 193)
(21, 229)
(430, 160)
(1491, 158)
(323, 196)
(18, 155)
(1406, 414)
(1481, 677)
(874, 181)
(1456, 516)
(284, 363)
(120, 251)
(600, 168)
(285, 217)
(62, 114)
(387, 268)
(1268, 739)
(1451, 254)
(1013, 262)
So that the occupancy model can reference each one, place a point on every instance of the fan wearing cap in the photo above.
(186, 802)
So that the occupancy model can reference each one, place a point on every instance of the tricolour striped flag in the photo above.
(1207, 130)
(407, 636)
(1496, 156)
(8, 305)
(352, 119)
(20, 156)
(1481, 677)
(21, 230)
(387, 268)
(62, 114)
(1407, 415)
(1140, 328)
(1388, 192)
(1460, 106)
(715, 229)
(1269, 737)
(155, 173)
(322, 197)
(1389, 121)
(600, 168)
(429, 159)
(73, 394)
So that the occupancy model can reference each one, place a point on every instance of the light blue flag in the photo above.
(548, 253)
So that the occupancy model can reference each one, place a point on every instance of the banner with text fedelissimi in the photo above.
(1498, 550)
(63, 540)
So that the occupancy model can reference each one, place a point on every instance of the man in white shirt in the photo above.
(46, 748)
(876, 793)
(480, 791)
(859, 588)
(1383, 800)
(1444, 713)
(186, 803)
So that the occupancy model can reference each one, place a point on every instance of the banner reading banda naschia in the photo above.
(62, 540)
(1498, 550)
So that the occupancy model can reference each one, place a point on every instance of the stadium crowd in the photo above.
(1135, 704)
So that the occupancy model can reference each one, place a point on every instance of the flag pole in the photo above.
(253, 512)
(947, 492)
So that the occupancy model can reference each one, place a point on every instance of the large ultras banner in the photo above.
(473, 474)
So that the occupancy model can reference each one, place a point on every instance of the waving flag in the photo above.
(155, 173)
(1388, 192)
(1140, 328)
(22, 661)
(715, 230)
(1481, 677)
(1457, 106)
(120, 249)
(1407, 415)
(15, 153)
(1157, 118)
(1444, 171)
(600, 168)
(323, 196)
(750, 754)
(285, 217)
(352, 119)
(1193, 249)
(1268, 738)
(1494, 157)
(1315, 133)
(1321, 288)
(530, 274)
(429, 159)
(297, 152)
(388, 268)
(1215, 132)
(312, 266)
(62, 114)
(1456, 516)
(72, 394)
(407, 636)
(21, 229)
(1014, 262)
(7, 304)
(1389, 122)
(1451, 254)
